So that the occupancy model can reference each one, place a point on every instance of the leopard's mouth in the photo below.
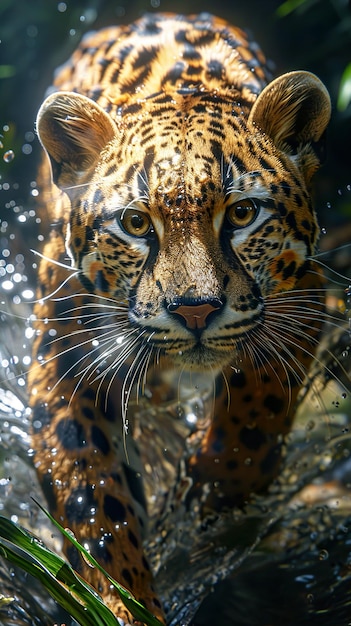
(199, 357)
(198, 337)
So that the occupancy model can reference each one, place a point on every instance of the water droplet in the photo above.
(9, 156)
(27, 148)
(70, 533)
(344, 529)
(323, 555)
(32, 30)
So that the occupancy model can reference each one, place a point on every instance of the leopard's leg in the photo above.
(79, 450)
(254, 407)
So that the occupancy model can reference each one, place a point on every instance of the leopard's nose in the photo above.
(195, 314)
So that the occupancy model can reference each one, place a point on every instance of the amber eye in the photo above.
(135, 222)
(242, 213)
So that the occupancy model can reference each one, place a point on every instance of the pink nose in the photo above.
(195, 315)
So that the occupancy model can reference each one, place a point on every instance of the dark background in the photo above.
(39, 35)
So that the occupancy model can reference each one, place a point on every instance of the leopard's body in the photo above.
(186, 214)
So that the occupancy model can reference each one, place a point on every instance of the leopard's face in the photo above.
(192, 236)
(191, 210)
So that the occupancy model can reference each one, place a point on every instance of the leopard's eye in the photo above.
(242, 213)
(136, 223)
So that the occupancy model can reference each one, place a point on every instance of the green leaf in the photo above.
(70, 591)
(74, 594)
(5, 600)
(7, 71)
(136, 608)
(344, 97)
(291, 5)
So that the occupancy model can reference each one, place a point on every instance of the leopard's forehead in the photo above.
(186, 160)
(179, 90)
(122, 67)
(177, 100)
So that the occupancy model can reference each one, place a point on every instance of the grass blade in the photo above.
(72, 593)
(138, 610)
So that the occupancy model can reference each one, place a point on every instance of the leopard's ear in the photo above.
(294, 111)
(73, 130)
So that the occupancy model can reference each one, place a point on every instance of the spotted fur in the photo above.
(181, 202)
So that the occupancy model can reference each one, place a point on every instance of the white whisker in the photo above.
(300, 332)
(50, 295)
(69, 268)
(265, 338)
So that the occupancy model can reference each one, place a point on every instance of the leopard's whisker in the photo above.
(299, 319)
(56, 262)
(332, 251)
(109, 329)
(264, 338)
(123, 352)
(142, 377)
(50, 295)
(306, 375)
(256, 359)
(100, 340)
(286, 329)
(128, 382)
(292, 340)
(99, 297)
(90, 371)
(227, 386)
(81, 359)
(327, 267)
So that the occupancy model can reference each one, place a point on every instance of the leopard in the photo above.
(180, 240)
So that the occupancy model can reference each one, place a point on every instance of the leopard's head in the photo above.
(192, 211)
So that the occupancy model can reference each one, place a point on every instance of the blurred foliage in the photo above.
(344, 98)
(38, 36)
